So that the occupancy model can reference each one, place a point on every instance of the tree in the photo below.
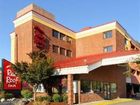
(37, 72)
(135, 61)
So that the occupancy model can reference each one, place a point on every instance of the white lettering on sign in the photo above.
(10, 80)
(11, 86)
(10, 73)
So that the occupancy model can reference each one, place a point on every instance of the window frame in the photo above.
(111, 89)
(107, 35)
(54, 35)
(107, 48)
(68, 54)
(87, 89)
(69, 39)
(53, 49)
(61, 51)
(63, 37)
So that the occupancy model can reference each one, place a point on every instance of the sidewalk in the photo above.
(108, 102)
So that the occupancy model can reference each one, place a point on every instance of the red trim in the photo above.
(91, 59)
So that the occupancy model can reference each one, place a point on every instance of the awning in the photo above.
(85, 64)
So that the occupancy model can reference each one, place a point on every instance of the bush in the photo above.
(44, 98)
(26, 93)
(56, 98)
(49, 98)
(2, 94)
(9, 95)
(65, 98)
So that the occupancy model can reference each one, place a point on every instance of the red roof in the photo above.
(91, 59)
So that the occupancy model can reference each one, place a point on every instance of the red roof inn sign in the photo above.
(10, 80)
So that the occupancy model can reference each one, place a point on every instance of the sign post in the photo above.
(10, 80)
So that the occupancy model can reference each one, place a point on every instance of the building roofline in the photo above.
(91, 31)
(45, 17)
(93, 58)
(86, 67)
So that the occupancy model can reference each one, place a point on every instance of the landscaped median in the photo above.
(110, 102)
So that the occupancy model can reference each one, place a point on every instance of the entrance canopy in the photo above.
(85, 64)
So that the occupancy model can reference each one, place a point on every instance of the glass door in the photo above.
(107, 91)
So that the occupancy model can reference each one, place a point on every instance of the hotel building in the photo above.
(92, 60)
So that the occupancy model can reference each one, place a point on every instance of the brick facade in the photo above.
(80, 46)
(107, 74)
(94, 44)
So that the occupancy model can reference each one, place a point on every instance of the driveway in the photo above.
(137, 102)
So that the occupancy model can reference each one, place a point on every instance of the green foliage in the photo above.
(36, 72)
(26, 93)
(8, 95)
(48, 98)
(56, 98)
(128, 73)
(44, 98)
(1, 86)
(2, 94)
(65, 98)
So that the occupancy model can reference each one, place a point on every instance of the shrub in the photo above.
(2, 95)
(56, 98)
(44, 98)
(9, 95)
(49, 98)
(65, 97)
(26, 93)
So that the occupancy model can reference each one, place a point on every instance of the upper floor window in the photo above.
(126, 41)
(108, 49)
(69, 39)
(62, 37)
(69, 53)
(107, 34)
(62, 51)
(55, 49)
(55, 34)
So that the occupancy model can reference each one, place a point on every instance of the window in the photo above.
(125, 41)
(62, 37)
(113, 88)
(107, 34)
(97, 86)
(56, 34)
(85, 86)
(69, 53)
(94, 86)
(108, 49)
(55, 49)
(69, 39)
(62, 51)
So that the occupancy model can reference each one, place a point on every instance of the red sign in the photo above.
(40, 39)
(10, 80)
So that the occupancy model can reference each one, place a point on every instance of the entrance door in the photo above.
(107, 91)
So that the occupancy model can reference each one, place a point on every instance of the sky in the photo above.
(74, 14)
